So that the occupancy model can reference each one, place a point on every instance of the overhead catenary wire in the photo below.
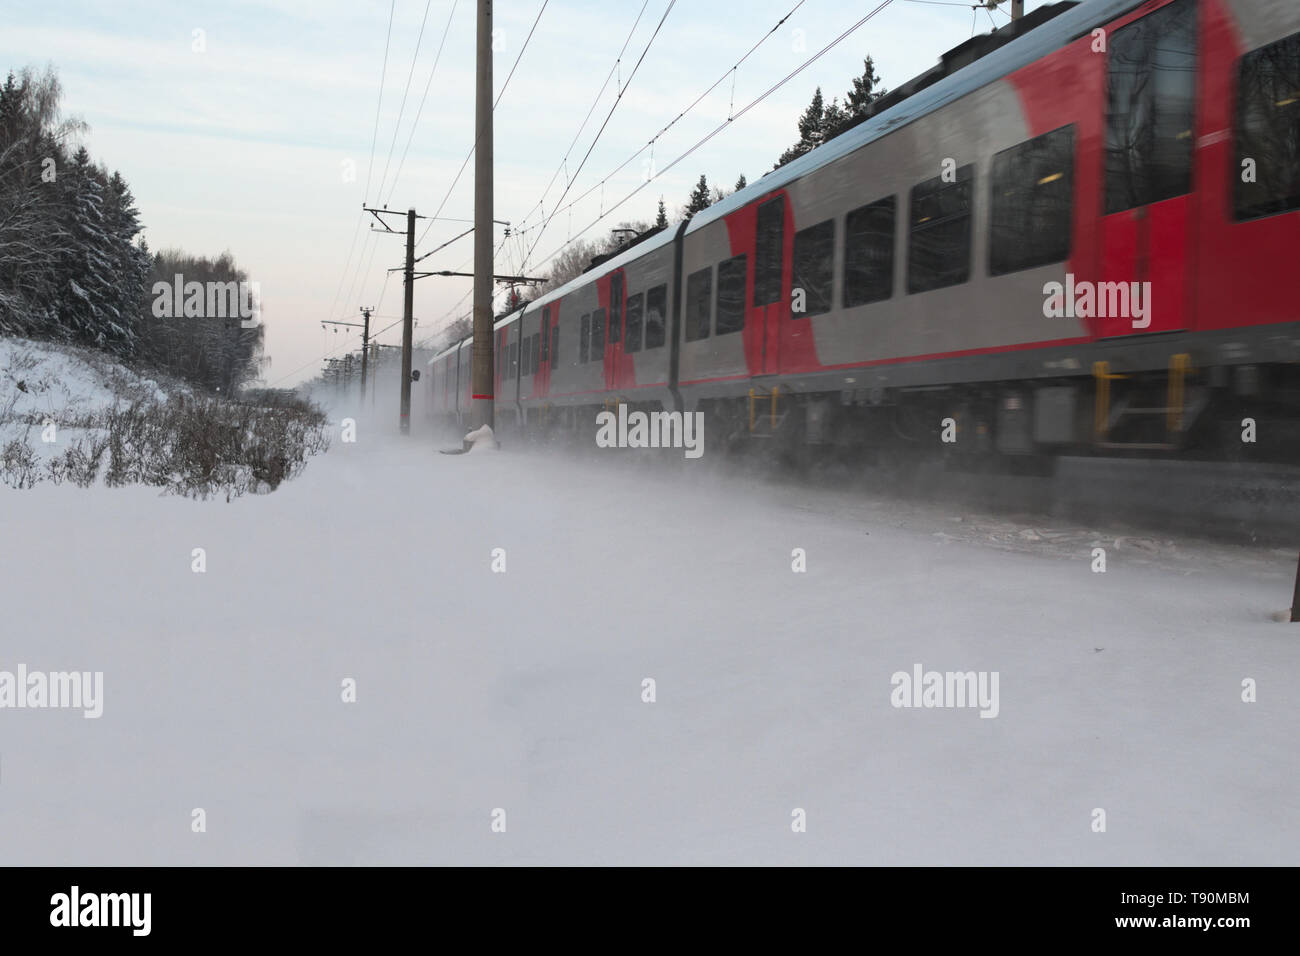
(500, 93)
(419, 112)
(754, 102)
(415, 124)
(406, 92)
(383, 73)
(521, 228)
(562, 167)
(618, 99)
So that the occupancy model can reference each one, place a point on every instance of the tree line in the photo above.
(73, 265)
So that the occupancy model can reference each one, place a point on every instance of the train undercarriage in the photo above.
(1222, 413)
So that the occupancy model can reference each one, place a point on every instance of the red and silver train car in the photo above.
(1079, 231)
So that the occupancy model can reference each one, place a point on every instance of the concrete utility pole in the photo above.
(1017, 9)
(365, 347)
(408, 309)
(365, 338)
(483, 400)
(408, 312)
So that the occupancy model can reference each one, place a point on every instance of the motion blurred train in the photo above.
(1077, 234)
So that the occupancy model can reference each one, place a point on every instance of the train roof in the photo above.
(500, 323)
(657, 241)
(1020, 52)
(1033, 45)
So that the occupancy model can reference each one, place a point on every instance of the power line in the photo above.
(618, 99)
(789, 76)
(383, 75)
(343, 275)
(438, 321)
(405, 92)
(502, 91)
(500, 94)
(415, 125)
(649, 143)
(594, 104)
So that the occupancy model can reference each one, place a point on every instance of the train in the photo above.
(1078, 234)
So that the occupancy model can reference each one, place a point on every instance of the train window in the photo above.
(583, 346)
(699, 296)
(1150, 109)
(514, 359)
(656, 312)
(555, 345)
(615, 309)
(1268, 131)
(597, 335)
(938, 252)
(634, 309)
(768, 250)
(869, 253)
(537, 351)
(1032, 190)
(546, 336)
(731, 295)
(814, 268)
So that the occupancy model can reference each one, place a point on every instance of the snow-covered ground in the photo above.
(63, 381)
(522, 690)
(45, 384)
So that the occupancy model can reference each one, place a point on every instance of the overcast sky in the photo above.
(260, 143)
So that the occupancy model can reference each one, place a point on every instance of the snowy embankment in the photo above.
(498, 616)
(74, 415)
(43, 384)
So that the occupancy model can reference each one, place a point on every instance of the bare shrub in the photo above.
(19, 467)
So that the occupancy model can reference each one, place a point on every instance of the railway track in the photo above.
(1227, 501)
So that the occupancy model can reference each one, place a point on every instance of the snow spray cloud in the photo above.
(947, 689)
(651, 430)
(58, 689)
(208, 300)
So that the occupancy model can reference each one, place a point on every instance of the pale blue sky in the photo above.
(244, 146)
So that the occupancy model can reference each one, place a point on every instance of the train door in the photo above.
(1149, 139)
(542, 384)
(769, 268)
(615, 377)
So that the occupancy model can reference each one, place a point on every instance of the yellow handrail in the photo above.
(1179, 366)
(1101, 410)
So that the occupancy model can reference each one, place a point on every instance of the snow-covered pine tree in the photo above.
(701, 198)
(87, 307)
(131, 263)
